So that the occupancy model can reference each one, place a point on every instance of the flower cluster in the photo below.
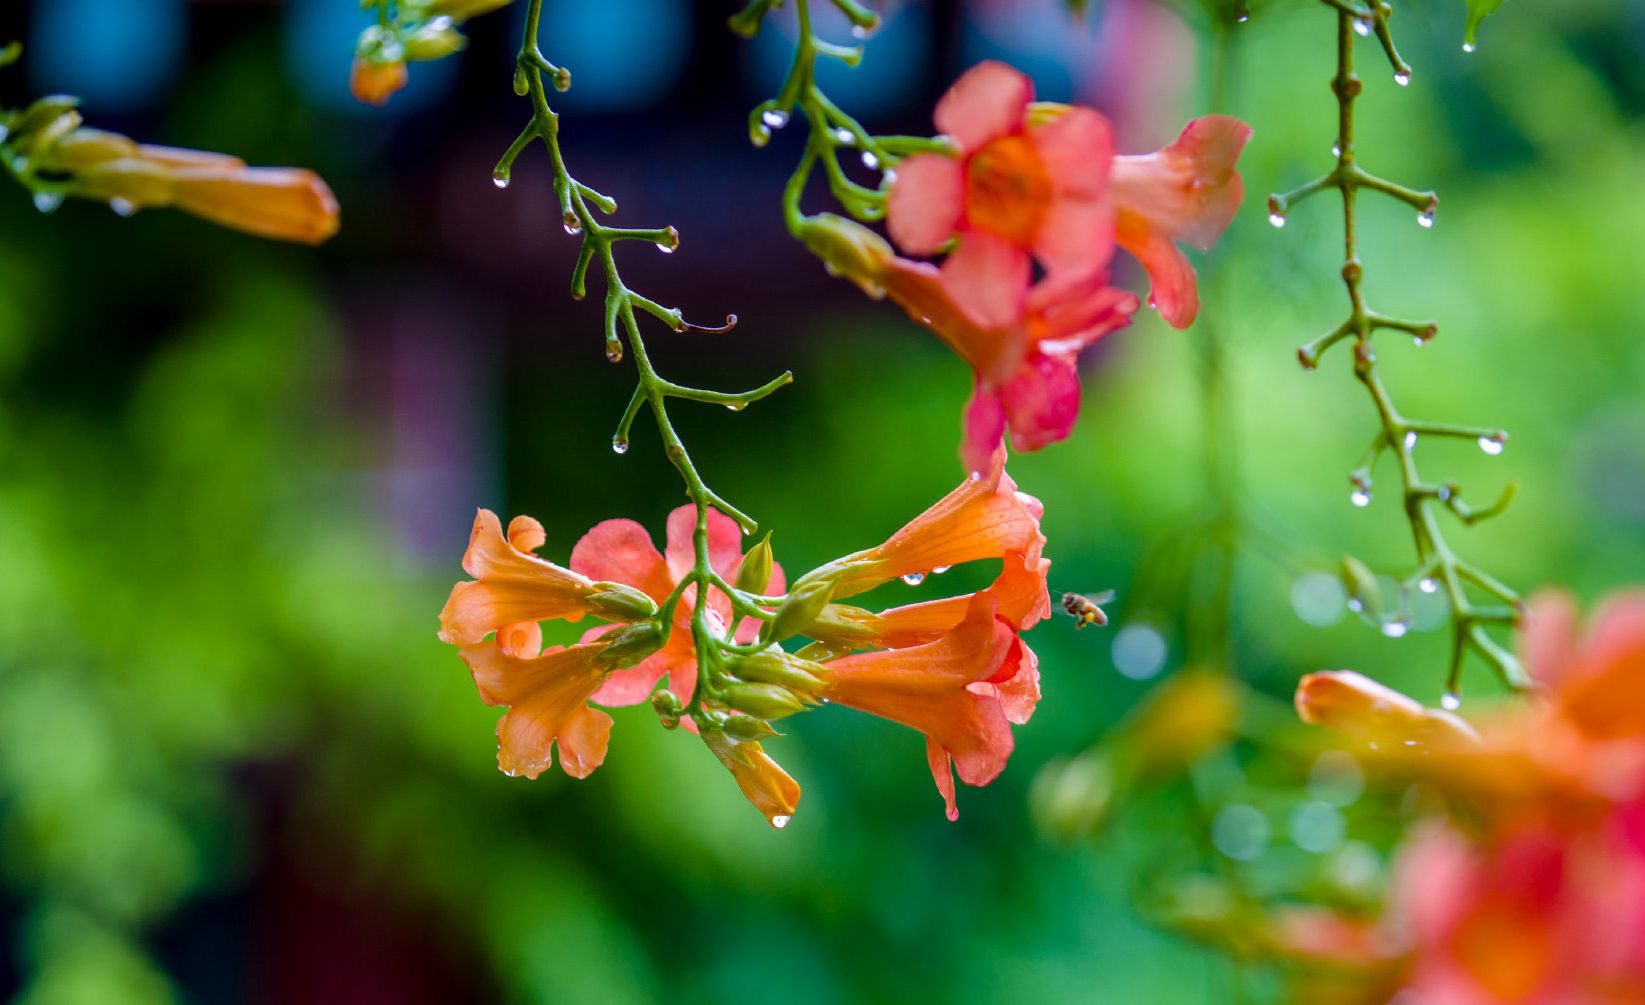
(1037, 185)
(418, 31)
(955, 669)
(48, 149)
(1535, 890)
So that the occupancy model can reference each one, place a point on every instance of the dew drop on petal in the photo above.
(914, 578)
(1450, 701)
(47, 202)
(1491, 444)
(780, 821)
(939, 570)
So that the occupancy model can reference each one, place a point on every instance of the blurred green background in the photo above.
(235, 481)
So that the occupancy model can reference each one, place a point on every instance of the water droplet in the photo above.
(500, 179)
(1336, 150)
(914, 578)
(1240, 832)
(1242, 17)
(774, 118)
(1139, 651)
(1317, 598)
(1395, 628)
(1469, 47)
(845, 137)
(1410, 439)
(860, 31)
(123, 207)
(1428, 585)
(780, 820)
(1360, 497)
(1277, 219)
(890, 176)
(869, 161)
(1403, 78)
(573, 226)
(736, 406)
(1450, 701)
(1362, 26)
(939, 570)
(1425, 219)
(47, 202)
(1356, 605)
(1492, 444)
(619, 445)
(667, 249)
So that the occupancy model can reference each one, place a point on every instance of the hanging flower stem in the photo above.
(578, 204)
(1399, 435)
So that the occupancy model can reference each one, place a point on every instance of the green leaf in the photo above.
(1478, 10)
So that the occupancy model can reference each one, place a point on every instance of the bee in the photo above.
(1086, 608)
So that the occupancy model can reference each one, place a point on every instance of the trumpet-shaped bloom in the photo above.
(1359, 706)
(985, 517)
(621, 551)
(1017, 188)
(1024, 367)
(762, 781)
(1189, 192)
(947, 690)
(548, 696)
(512, 587)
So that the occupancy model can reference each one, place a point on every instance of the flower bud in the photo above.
(288, 204)
(849, 250)
(84, 148)
(842, 624)
(44, 123)
(374, 82)
(630, 645)
(133, 180)
(1354, 704)
(810, 594)
(764, 701)
(435, 40)
(667, 707)
(747, 727)
(461, 10)
(777, 667)
(618, 602)
(1361, 584)
(754, 574)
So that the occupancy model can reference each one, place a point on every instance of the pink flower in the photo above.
(621, 551)
(1187, 192)
(1025, 369)
(1017, 188)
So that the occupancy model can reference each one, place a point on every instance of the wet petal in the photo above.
(987, 277)
(1077, 149)
(1077, 237)
(984, 427)
(942, 772)
(1041, 400)
(1175, 288)
(620, 551)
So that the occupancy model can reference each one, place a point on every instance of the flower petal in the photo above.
(1077, 237)
(984, 426)
(546, 695)
(583, 740)
(1175, 292)
(942, 772)
(620, 551)
(924, 206)
(987, 276)
(1190, 190)
(1041, 400)
(988, 101)
(510, 587)
(725, 543)
(762, 781)
(1077, 150)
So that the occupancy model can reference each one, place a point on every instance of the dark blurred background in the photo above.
(236, 478)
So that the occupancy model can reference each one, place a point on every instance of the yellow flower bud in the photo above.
(84, 148)
(436, 40)
(1354, 704)
(289, 204)
(849, 250)
(375, 82)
